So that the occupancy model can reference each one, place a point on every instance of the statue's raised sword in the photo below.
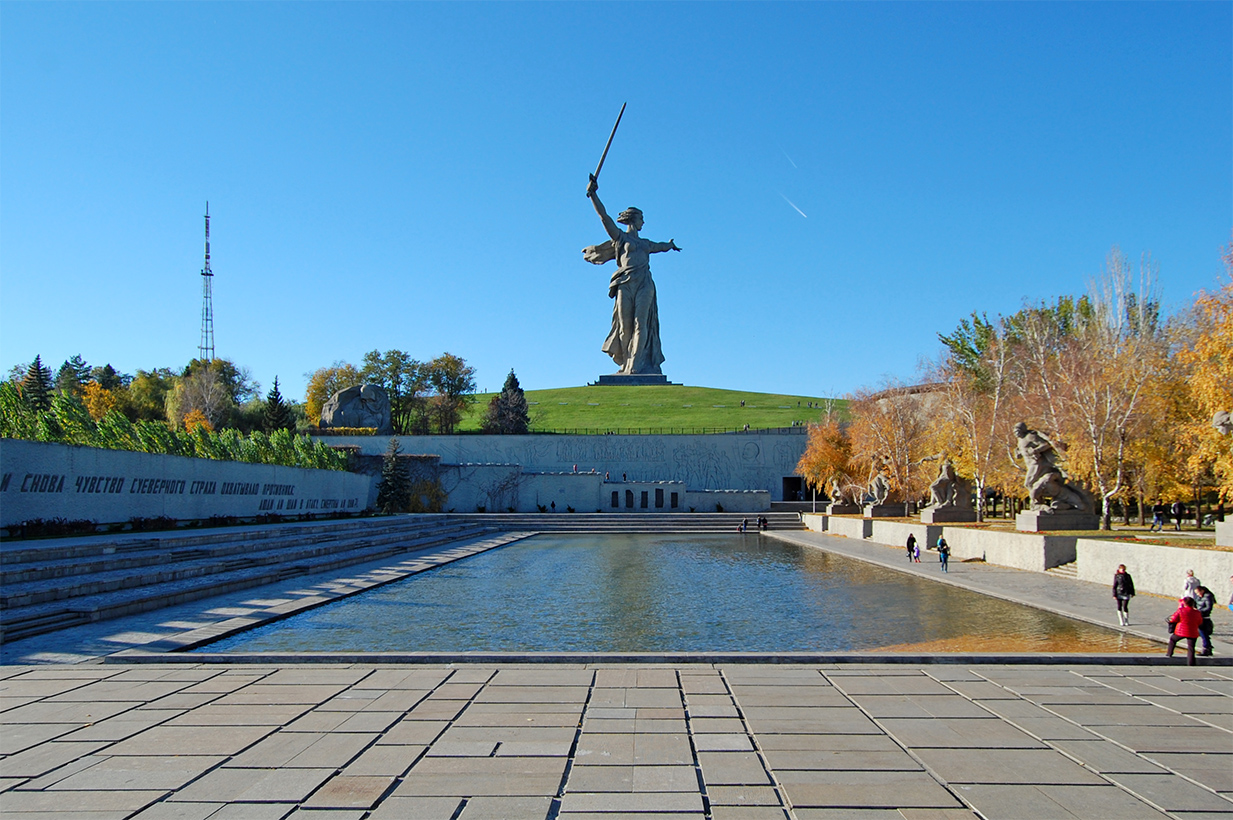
(604, 156)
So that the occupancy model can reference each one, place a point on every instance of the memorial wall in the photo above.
(47, 481)
(737, 461)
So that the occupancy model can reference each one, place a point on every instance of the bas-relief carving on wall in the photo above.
(710, 462)
(609, 449)
(704, 467)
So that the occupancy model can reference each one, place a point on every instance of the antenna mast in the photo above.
(206, 348)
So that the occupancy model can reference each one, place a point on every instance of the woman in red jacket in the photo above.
(1186, 623)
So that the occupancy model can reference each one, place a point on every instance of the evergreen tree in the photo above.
(36, 386)
(278, 415)
(394, 489)
(508, 413)
(72, 376)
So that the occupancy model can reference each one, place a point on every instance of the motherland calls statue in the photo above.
(1046, 483)
(633, 341)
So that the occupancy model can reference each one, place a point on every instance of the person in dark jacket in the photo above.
(911, 546)
(1123, 591)
(1186, 622)
(1178, 510)
(1158, 517)
(944, 554)
(1205, 602)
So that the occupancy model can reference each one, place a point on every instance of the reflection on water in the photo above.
(684, 593)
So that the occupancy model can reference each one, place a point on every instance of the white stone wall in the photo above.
(42, 480)
(737, 461)
(1007, 549)
(1155, 568)
(731, 500)
(850, 527)
(1224, 533)
(1011, 549)
(896, 533)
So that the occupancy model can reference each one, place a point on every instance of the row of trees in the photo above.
(425, 397)
(216, 393)
(65, 420)
(1127, 394)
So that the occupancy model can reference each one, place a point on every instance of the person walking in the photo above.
(1179, 509)
(1185, 623)
(1205, 602)
(1158, 513)
(944, 554)
(911, 546)
(1123, 591)
(1189, 585)
(916, 552)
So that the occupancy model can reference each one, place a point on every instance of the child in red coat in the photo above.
(1186, 622)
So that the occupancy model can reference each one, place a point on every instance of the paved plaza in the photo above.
(727, 741)
(162, 735)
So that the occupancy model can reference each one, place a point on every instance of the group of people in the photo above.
(763, 524)
(1161, 513)
(942, 547)
(1191, 622)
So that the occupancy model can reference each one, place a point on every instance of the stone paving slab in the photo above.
(523, 741)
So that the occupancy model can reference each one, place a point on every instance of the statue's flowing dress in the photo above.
(633, 341)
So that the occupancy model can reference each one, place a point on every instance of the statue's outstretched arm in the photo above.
(660, 247)
(609, 225)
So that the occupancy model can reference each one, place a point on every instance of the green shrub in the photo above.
(68, 422)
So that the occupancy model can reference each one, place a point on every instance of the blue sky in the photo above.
(846, 179)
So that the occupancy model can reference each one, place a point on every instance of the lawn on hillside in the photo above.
(660, 408)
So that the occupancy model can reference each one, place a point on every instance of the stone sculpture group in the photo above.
(362, 405)
(1046, 483)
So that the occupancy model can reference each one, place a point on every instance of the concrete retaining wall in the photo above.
(896, 532)
(816, 521)
(42, 480)
(1008, 549)
(850, 527)
(1154, 568)
(1011, 549)
(1224, 534)
(737, 461)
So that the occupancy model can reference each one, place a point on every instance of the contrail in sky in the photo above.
(793, 204)
(788, 158)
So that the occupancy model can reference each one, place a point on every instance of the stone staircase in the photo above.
(57, 583)
(1070, 570)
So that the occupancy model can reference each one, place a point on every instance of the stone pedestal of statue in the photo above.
(883, 511)
(1224, 533)
(1041, 521)
(633, 379)
(947, 515)
(842, 509)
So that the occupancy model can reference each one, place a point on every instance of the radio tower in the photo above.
(206, 348)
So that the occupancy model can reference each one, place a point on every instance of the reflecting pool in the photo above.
(675, 593)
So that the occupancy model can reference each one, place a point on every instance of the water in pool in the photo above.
(676, 593)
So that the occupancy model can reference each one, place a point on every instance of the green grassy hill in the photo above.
(667, 408)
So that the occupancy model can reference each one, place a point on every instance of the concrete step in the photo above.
(170, 551)
(83, 548)
(229, 557)
(35, 619)
(1070, 570)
